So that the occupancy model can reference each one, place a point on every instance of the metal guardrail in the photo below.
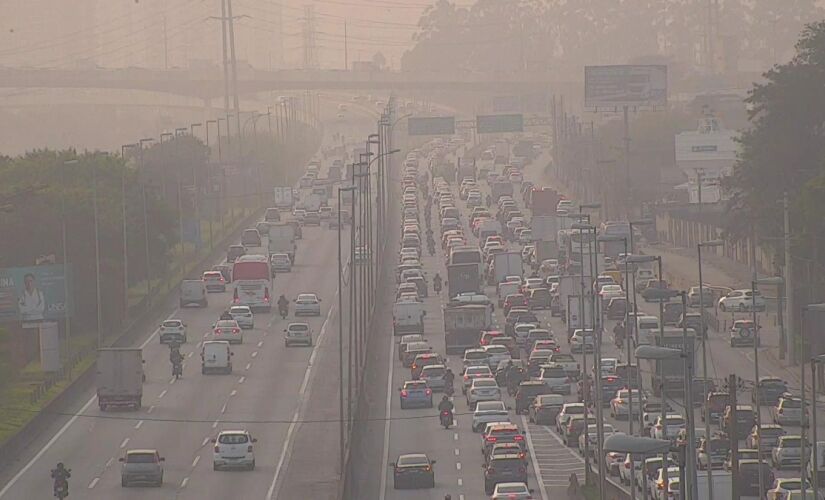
(40, 389)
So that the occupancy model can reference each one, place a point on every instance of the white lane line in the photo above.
(458, 466)
(184, 482)
(172, 380)
(254, 354)
(65, 427)
(241, 380)
(460, 482)
(191, 353)
(195, 461)
(248, 365)
(455, 437)
(163, 393)
(456, 452)
(215, 424)
(385, 460)
(151, 409)
(109, 462)
(94, 482)
(205, 440)
(460, 497)
(124, 443)
(535, 461)
(138, 424)
(270, 494)
(261, 343)
(234, 391)
(223, 410)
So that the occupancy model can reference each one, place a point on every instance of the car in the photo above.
(272, 215)
(144, 466)
(251, 238)
(719, 447)
(610, 291)
(739, 422)
(765, 438)
(620, 404)
(613, 461)
(307, 304)
(769, 390)
(568, 410)
(298, 333)
(280, 262)
(473, 357)
(649, 469)
(312, 219)
(693, 320)
(243, 316)
(504, 469)
(783, 486)
(229, 330)
(788, 411)
(582, 341)
(788, 451)
(234, 252)
(742, 333)
(415, 393)
(412, 350)
(654, 290)
(693, 297)
(544, 409)
(497, 353)
(434, 376)
(748, 478)
(233, 449)
(413, 470)
(226, 271)
(592, 436)
(214, 281)
(742, 300)
(555, 378)
(527, 391)
(512, 491)
(482, 389)
(489, 411)
(326, 213)
(744, 454)
(172, 331)
(616, 308)
(715, 403)
(407, 339)
(574, 428)
(501, 432)
(669, 427)
(629, 470)
(422, 360)
(539, 298)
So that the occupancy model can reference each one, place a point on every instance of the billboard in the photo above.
(434, 125)
(625, 85)
(34, 293)
(497, 124)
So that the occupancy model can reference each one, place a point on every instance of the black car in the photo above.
(748, 478)
(527, 391)
(414, 470)
(616, 308)
(769, 389)
(693, 321)
(504, 469)
(610, 385)
(518, 317)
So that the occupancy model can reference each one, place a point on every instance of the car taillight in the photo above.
(490, 471)
(570, 428)
(217, 449)
(660, 485)
(266, 294)
(466, 377)
(627, 465)
(403, 394)
(491, 439)
(518, 438)
(620, 401)
(249, 449)
(781, 411)
(659, 426)
(427, 468)
(429, 392)
(235, 330)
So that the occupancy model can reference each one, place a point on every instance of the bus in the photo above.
(579, 244)
(621, 229)
(466, 254)
(252, 277)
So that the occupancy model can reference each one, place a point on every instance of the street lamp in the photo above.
(702, 328)
(801, 348)
(65, 234)
(634, 223)
(341, 429)
(641, 447)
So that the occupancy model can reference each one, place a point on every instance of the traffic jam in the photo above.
(513, 321)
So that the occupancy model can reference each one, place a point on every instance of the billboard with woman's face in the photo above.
(34, 293)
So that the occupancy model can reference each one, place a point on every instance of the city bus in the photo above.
(251, 276)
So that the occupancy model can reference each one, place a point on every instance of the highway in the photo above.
(271, 391)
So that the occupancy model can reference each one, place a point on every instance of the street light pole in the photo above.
(97, 257)
(123, 149)
(65, 234)
(341, 426)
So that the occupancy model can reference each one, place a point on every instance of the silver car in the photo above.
(487, 412)
(280, 262)
(434, 376)
(307, 304)
(243, 316)
(509, 491)
(141, 467)
(298, 333)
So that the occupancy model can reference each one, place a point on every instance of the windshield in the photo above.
(233, 439)
(141, 458)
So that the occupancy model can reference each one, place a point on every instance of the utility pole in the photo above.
(225, 63)
(346, 48)
(310, 61)
(734, 440)
(236, 102)
(626, 122)
(788, 316)
(165, 46)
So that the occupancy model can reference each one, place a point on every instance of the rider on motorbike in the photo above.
(445, 405)
(61, 476)
(283, 305)
(437, 283)
(449, 378)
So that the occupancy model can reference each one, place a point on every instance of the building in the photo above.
(705, 156)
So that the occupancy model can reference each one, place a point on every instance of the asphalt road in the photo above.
(271, 392)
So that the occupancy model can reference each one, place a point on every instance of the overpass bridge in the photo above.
(209, 84)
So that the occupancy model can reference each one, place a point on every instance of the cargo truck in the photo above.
(119, 378)
(463, 278)
(574, 318)
(283, 197)
(544, 227)
(282, 240)
(506, 264)
(463, 325)
(672, 372)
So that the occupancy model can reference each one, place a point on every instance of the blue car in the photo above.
(416, 393)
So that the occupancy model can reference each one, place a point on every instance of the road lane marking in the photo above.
(460, 497)
(205, 440)
(138, 424)
(223, 410)
(248, 365)
(65, 427)
(184, 482)
(109, 462)
(261, 343)
(460, 482)
(455, 437)
(270, 494)
(172, 380)
(195, 461)
(456, 452)
(151, 409)
(254, 354)
(241, 380)
(191, 353)
(536, 468)
(458, 466)
(124, 443)
(215, 424)
(94, 482)
(163, 393)
(385, 460)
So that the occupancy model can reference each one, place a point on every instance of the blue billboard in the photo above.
(34, 293)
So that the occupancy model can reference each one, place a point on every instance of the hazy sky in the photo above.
(123, 33)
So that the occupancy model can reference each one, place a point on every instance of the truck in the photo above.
(502, 151)
(463, 325)
(282, 240)
(568, 285)
(283, 197)
(670, 373)
(543, 201)
(501, 188)
(119, 378)
(466, 169)
(463, 278)
(334, 173)
(546, 250)
(544, 227)
(574, 318)
(506, 264)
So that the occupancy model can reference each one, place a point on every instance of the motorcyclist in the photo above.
(489, 200)
(449, 378)
(283, 304)
(618, 333)
(445, 405)
(61, 476)
(431, 247)
(175, 356)
(437, 283)
(226, 315)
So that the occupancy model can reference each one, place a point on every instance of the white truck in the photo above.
(119, 378)
(313, 202)
(463, 324)
(283, 197)
(575, 319)
(568, 285)
(408, 317)
(281, 239)
(544, 227)
(506, 264)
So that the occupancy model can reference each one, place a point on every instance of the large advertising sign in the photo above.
(431, 125)
(625, 85)
(37, 293)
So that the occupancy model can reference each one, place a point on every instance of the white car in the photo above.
(472, 373)
(526, 237)
(555, 378)
(620, 405)
(475, 357)
(582, 341)
(593, 438)
(515, 491)
(280, 262)
(307, 304)
(229, 330)
(611, 291)
(243, 316)
(669, 429)
(489, 411)
(787, 452)
(298, 333)
(233, 449)
(497, 353)
(483, 389)
(742, 300)
(630, 468)
(172, 330)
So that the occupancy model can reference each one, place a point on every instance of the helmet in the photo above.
(444, 398)
(60, 465)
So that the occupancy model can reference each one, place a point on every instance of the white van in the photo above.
(648, 328)
(193, 292)
(408, 317)
(216, 356)
(642, 275)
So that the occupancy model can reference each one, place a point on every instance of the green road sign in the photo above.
(497, 124)
(432, 125)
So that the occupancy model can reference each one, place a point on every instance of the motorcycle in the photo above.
(61, 487)
(283, 311)
(437, 287)
(448, 389)
(177, 370)
(446, 418)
